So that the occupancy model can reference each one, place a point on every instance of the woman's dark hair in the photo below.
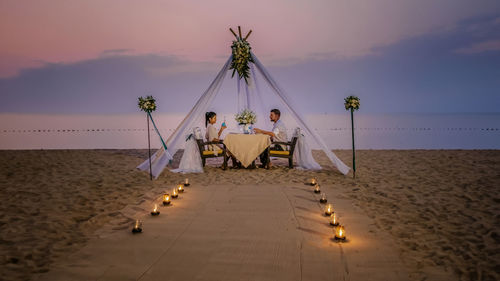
(209, 115)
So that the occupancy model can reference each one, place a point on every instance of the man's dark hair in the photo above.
(276, 111)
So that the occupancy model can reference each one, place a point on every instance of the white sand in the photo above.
(435, 213)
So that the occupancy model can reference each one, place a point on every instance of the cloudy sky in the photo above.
(98, 56)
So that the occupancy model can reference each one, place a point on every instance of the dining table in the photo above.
(246, 147)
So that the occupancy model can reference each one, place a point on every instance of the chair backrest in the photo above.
(197, 133)
(201, 145)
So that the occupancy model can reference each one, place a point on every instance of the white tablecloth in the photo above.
(246, 148)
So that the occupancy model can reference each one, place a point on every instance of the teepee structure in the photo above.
(251, 72)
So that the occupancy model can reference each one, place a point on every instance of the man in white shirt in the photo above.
(278, 133)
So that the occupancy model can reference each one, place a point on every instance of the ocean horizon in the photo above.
(372, 131)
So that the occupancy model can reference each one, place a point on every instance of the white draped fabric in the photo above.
(159, 160)
(249, 96)
(303, 153)
(304, 127)
(178, 138)
(191, 159)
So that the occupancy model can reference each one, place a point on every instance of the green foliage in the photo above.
(241, 57)
(351, 102)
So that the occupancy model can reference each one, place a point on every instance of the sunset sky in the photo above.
(98, 56)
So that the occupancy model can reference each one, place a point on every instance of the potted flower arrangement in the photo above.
(245, 119)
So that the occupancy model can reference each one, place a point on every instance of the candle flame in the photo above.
(136, 224)
(156, 208)
(340, 232)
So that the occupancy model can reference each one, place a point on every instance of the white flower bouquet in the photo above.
(241, 57)
(351, 102)
(246, 117)
(147, 104)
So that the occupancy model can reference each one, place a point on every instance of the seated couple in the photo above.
(278, 133)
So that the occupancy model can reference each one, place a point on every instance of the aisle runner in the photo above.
(238, 233)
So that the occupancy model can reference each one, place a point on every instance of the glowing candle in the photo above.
(328, 209)
(186, 182)
(317, 189)
(155, 211)
(340, 232)
(313, 182)
(175, 194)
(180, 188)
(166, 199)
(323, 198)
(333, 220)
(137, 227)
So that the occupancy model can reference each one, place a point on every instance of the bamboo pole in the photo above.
(353, 148)
(232, 31)
(248, 35)
(239, 31)
(149, 150)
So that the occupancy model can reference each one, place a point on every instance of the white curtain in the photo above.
(303, 153)
(248, 97)
(159, 160)
(191, 159)
(304, 127)
(177, 140)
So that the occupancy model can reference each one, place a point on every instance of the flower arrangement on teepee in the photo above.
(352, 103)
(241, 55)
(148, 105)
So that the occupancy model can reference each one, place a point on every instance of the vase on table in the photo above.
(246, 128)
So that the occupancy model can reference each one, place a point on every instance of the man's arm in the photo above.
(259, 131)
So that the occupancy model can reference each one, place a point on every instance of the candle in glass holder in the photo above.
(333, 220)
(328, 209)
(175, 193)
(317, 189)
(313, 182)
(137, 227)
(323, 199)
(155, 211)
(180, 188)
(339, 232)
(166, 199)
(186, 182)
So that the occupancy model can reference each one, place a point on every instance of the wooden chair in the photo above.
(283, 154)
(205, 153)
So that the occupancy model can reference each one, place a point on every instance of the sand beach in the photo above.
(413, 214)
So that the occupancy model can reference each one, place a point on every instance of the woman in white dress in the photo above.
(213, 134)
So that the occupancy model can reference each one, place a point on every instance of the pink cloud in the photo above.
(70, 31)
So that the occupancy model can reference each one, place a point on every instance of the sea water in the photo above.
(372, 131)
